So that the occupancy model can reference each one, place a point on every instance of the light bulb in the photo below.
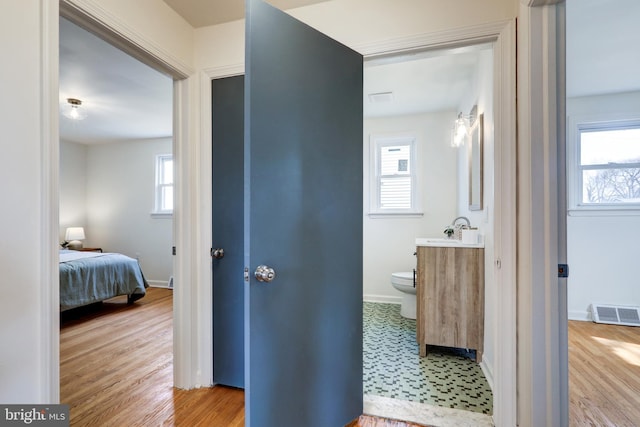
(459, 131)
(72, 109)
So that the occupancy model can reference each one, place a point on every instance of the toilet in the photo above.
(403, 281)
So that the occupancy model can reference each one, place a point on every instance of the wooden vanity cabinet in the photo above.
(450, 298)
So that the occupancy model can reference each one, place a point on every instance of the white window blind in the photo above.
(394, 175)
(164, 184)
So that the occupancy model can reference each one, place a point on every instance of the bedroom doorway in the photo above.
(598, 191)
(116, 164)
(116, 169)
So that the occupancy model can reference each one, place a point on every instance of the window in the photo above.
(394, 175)
(164, 185)
(608, 166)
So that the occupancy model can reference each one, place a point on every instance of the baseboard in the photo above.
(488, 373)
(158, 284)
(382, 299)
(584, 316)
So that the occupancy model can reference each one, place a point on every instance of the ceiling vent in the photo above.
(616, 314)
(380, 97)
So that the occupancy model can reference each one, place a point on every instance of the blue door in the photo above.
(227, 239)
(303, 221)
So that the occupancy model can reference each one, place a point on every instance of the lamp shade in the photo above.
(74, 233)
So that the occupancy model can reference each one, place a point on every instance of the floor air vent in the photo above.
(616, 314)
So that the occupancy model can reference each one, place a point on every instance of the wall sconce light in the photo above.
(73, 237)
(72, 110)
(460, 130)
(462, 127)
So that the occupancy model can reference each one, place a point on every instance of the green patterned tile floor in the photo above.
(393, 368)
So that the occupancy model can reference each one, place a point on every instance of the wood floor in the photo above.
(116, 370)
(604, 375)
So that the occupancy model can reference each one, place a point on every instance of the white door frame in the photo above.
(95, 19)
(542, 334)
(503, 36)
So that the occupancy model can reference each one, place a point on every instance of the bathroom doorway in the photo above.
(418, 97)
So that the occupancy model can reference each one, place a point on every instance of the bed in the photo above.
(90, 277)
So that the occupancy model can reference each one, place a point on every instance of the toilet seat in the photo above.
(402, 278)
(403, 282)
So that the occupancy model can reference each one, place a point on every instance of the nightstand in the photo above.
(89, 249)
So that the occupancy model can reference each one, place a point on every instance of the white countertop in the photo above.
(448, 243)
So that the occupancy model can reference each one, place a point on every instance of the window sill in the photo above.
(380, 215)
(161, 215)
(604, 211)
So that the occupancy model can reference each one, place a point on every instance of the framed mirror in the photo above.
(475, 165)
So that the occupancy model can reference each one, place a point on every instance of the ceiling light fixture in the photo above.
(72, 109)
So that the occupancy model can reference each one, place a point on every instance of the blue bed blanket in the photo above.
(88, 277)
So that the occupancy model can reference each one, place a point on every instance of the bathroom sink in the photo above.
(442, 242)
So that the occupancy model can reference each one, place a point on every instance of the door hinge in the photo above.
(173, 250)
(563, 270)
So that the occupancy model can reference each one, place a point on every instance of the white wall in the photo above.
(358, 23)
(73, 186)
(602, 248)
(482, 96)
(23, 252)
(119, 199)
(389, 242)
(361, 22)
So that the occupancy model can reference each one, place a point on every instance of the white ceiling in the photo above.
(202, 13)
(421, 83)
(122, 97)
(125, 99)
(603, 39)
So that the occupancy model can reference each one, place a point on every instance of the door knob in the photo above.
(217, 253)
(264, 273)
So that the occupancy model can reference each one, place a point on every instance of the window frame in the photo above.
(159, 186)
(598, 122)
(376, 142)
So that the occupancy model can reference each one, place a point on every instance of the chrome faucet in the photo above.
(453, 230)
(462, 218)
